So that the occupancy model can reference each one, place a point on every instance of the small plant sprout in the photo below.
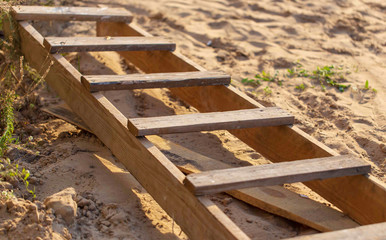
(291, 72)
(9, 170)
(267, 77)
(267, 90)
(327, 74)
(366, 85)
(301, 87)
(252, 82)
(263, 76)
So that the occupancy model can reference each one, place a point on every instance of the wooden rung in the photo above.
(248, 118)
(273, 174)
(71, 13)
(154, 80)
(90, 44)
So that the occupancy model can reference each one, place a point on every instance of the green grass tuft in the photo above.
(7, 120)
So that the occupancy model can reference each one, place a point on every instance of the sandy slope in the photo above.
(244, 37)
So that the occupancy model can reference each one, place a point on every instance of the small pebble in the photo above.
(226, 201)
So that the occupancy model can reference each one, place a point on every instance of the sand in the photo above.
(241, 38)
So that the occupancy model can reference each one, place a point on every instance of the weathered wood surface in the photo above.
(198, 219)
(274, 199)
(71, 13)
(361, 197)
(154, 80)
(196, 122)
(369, 232)
(95, 44)
(216, 181)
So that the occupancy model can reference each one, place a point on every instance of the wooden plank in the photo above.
(71, 13)
(154, 80)
(145, 162)
(196, 122)
(274, 199)
(368, 232)
(275, 174)
(90, 44)
(62, 111)
(362, 197)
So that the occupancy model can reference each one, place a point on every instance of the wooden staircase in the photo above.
(126, 136)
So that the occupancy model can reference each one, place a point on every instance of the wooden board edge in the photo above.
(85, 83)
(133, 129)
(47, 45)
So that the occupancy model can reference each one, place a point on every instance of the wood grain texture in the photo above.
(144, 161)
(154, 80)
(216, 181)
(95, 44)
(197, 122)
(362, 197)
(368, 232)
(274, 199)
(71, 13)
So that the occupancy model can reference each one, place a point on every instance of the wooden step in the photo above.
(154, 80)
(248, 118)
(71, 13)
(273, 174)
(93, 44)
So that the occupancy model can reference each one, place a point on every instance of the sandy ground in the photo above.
(241, 38)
